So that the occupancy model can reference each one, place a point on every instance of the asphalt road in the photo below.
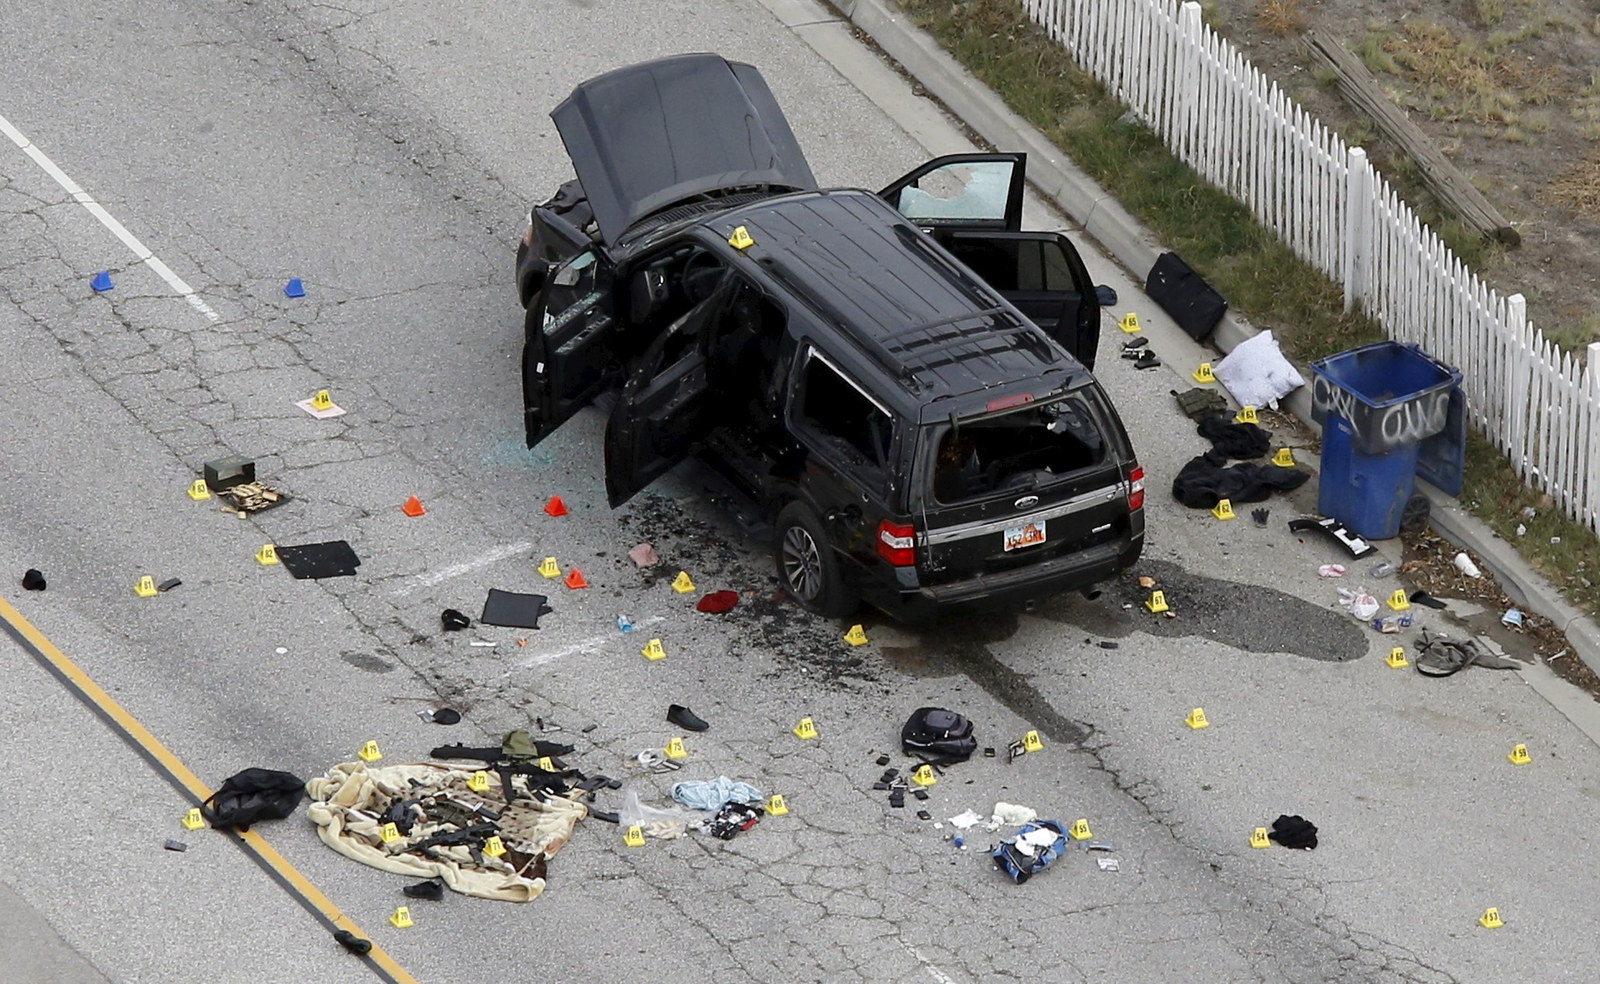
(387, 155)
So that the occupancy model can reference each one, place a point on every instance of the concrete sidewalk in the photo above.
(1135, 248)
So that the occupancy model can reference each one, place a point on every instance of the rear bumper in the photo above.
(1015, 587)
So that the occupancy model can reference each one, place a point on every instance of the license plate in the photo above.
(1024, 536)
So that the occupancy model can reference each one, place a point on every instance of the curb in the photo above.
(1130, 244)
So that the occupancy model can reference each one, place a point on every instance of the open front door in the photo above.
(1041, 274)
(567, 356)
(662, 411)
(973, 191)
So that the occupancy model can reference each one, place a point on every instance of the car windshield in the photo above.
(1018, 450)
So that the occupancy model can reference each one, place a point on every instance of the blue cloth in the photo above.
(702, 794)
(1105, 295)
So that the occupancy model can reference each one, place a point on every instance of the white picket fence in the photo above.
(1236, 128)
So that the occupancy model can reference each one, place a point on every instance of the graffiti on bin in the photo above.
(1378, 429)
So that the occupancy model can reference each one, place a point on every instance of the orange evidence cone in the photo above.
(413, 507)
(555, 506)
(575, 580)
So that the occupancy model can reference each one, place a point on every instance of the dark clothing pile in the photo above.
(1206, 480)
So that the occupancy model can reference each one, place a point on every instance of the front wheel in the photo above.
(807, 567)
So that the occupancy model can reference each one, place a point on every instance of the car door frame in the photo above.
(1011, 220)
(657, 420)
(1082, 339)
(568, 359)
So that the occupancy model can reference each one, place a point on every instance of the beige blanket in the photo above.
(348, 804)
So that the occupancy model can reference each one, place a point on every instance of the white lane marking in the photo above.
(465, 567)
(593, 644)
(933, 971)
(108, 220)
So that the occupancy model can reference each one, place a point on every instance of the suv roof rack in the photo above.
(922, 318)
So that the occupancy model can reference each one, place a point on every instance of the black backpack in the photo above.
(939, 735)
(252, 795)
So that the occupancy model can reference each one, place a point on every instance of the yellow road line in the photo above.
(171, 768)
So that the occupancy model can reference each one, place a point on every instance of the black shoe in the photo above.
(685, 718)
(33, 580)
(353, 943)
(430, 890)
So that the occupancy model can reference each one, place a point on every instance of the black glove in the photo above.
(1260, 516)
(1294, 831)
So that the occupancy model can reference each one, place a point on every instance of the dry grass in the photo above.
(1463, 81)
(1578, 188)
(1281, 17)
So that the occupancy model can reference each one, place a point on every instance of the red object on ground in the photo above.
(555, 506)
(575, 580)
(413, 507)
(718, 602)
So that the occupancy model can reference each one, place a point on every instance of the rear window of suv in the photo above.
(1027, 448)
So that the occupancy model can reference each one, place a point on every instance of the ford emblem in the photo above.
(1027, 502)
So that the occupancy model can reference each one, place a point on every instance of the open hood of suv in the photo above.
(652, 135)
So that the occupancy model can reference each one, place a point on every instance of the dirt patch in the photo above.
(1429, 565)
(1506, 89)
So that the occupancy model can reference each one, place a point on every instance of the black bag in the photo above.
(252, 795)
(939, 735)
(1191, 302)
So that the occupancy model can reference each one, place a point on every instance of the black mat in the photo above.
(508, 608)
(315, 560)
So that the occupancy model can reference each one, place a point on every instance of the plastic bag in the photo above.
(637, 814)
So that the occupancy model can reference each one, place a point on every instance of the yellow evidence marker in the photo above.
(856, 636)
(1246, 415)
(1031, 742)
(1259, 838)
(550, 568)
(776, 806)
(1157, 602)
(401, 917)
(924, 776)
(1204, 374)
(267, 555)
(806, 729)
(1197, 719)
(1080, 830)
(1223, 509)
(198, 490)
(146, 587)
(479, 783)
(675, 749)
(194, 819)
(634, 837)
(369, 752)
(1519, 755)
(683, 584)
(1397, 658)
(1490, 918)
(1129, 323)
(653, 650)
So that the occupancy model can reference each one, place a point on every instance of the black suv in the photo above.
(898, 380)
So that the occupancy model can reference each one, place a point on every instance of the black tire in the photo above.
(807, 567)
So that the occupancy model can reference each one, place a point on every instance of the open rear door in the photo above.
(1041, 274)
(567, 356)
(971, 191)
(663, 408)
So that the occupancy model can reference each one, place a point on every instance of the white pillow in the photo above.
(1256, 373)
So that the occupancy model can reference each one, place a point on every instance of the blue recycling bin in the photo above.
(1379, 404)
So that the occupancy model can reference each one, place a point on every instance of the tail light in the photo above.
(1136, 488)
(897, 543)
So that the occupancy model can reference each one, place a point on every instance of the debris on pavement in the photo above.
(712, 794)
(1331, 570)
(685, 718)
(940, 735)
(1108, 864)
(454, 621)
(1382, 569)
(175, 845)
(1199, 402)
(644, 555)
(1295, 831)
(1031, 850)
(1465, 565)
(514, 610)
(732, 819)
(359, 809)
(717, 602)
(1332, 527)
(33, 580)
(1012, 815)
(1439, 656)
(431, 890)
(253, 795)
(1390, 624)
(1358, 603)
(1513, 618)
(443, 715)
(333, 558)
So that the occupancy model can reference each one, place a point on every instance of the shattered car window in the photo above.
(1017, 451)
(959, 191)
